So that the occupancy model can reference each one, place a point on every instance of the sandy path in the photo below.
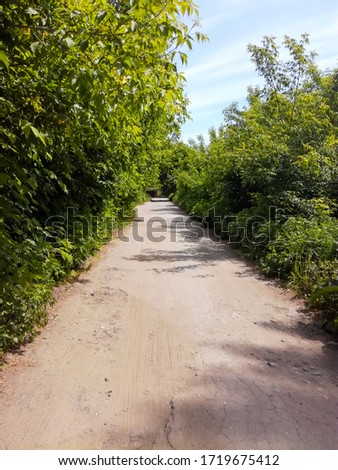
(172, 344)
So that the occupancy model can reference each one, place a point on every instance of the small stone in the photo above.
(272, 364)
(106, 380)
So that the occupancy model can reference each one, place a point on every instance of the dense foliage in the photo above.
(270, 173)
(88, 90)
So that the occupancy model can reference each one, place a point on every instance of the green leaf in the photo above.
(77, 107)
(3, 178)
(4, 59)
(184, 58)
(12, 137)
(69, 42)
(25, 126)
(38, 134)
(323, 292)
(101, 15)
(34, 46)
(74, 13)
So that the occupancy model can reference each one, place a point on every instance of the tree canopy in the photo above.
(88, 90)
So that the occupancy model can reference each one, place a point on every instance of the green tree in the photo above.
(85, 89)
(279, 151)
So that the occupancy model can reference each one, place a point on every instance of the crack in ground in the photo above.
(167, 426)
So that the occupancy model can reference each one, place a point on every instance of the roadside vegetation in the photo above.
(88, 92)
(268, 179)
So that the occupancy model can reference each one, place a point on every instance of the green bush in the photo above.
(270, 171)
(305, 252)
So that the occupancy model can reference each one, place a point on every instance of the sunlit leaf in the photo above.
(69, 42)
(31, 11)
(34, 46)
(38, 134)
(101, 15)
(4, 59)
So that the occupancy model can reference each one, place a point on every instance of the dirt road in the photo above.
(172, 344)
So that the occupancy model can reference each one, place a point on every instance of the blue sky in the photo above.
(220, 71)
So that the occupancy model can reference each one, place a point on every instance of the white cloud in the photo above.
(218, 66)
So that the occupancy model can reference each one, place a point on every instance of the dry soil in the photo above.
(172, 344)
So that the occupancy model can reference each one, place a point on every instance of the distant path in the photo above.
(172, 345)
